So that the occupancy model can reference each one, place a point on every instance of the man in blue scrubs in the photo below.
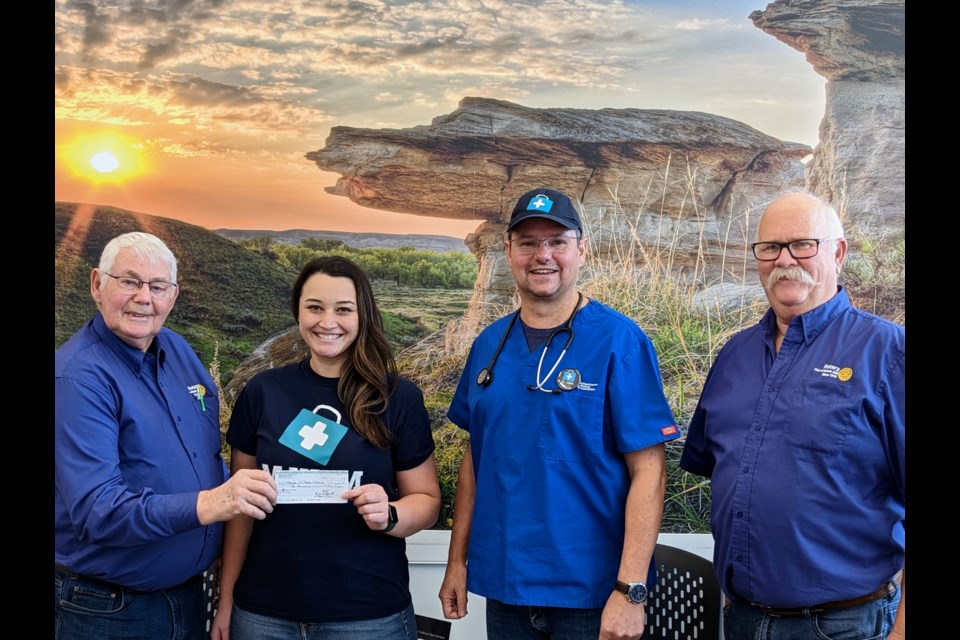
(139, 484)
(800, 427)
(560, 492)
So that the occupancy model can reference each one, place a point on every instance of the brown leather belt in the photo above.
(885, 590)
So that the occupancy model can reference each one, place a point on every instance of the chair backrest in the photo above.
(686, 602)
(211, 592)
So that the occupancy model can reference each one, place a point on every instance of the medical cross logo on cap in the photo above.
(540, 203)
(314, 436)
(546, 203)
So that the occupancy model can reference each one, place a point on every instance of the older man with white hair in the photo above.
(800, 427)
(140, 488)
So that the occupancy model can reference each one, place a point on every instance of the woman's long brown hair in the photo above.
(369, 374)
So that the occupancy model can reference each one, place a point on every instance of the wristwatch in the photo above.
(391, 518)
(636, 592)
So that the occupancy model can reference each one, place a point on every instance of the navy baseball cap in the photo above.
(546, 203)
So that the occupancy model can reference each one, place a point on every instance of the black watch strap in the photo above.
(636, 592)
(391, 518)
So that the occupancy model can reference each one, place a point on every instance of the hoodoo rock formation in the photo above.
(691, 182)
(858, 46)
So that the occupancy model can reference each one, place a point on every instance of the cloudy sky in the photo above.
(202, 110)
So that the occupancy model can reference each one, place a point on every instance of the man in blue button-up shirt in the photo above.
(139, 485)
(800, 427)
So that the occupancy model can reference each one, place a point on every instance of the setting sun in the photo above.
(104, 162)
(104, 157)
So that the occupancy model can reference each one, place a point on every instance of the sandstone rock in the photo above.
(727, 296)
(686, 184)
(283, 348)
(475, 162)
(682, 190)
(858, 46)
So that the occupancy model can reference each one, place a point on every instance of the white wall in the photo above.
(427, 553)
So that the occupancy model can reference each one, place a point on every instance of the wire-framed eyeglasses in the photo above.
(158, 288)
(798, 249)
(554, 244)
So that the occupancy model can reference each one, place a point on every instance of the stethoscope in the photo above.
(568, 378)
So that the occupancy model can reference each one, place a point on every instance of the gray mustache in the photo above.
(790, 273)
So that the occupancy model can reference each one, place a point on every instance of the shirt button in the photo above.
(739, 558)
(739, 514)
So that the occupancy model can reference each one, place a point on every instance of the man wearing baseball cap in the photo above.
(560, 491)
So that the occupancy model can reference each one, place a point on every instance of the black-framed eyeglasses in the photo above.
(799, 249)
(158, 288)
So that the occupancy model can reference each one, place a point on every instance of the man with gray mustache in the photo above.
(800, 427)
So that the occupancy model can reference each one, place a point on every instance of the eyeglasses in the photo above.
(799, 249)
(158, 288)
(556, 244)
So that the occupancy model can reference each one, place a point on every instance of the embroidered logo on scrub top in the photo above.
(568, 379)
(668, 430)
(314, 436)
(835, 372)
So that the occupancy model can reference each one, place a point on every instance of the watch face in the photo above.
(637, 593)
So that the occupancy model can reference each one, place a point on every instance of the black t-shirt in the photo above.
(320, 562)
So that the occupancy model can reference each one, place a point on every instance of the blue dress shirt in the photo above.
(805, 451)
(137, 437)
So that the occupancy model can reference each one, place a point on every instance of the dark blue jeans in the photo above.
(88, 609)
(519, 622)
(246, 625)
(870, 621)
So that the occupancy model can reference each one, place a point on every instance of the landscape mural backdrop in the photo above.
(252, 137)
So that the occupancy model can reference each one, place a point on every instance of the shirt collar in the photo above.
(133, 357)
(812, 323)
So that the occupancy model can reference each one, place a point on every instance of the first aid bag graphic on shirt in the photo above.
(313, 435)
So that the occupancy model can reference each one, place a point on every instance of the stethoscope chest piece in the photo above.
(484, 377)
(567, 379)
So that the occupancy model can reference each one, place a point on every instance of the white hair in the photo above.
(147, 247)
(830, 215)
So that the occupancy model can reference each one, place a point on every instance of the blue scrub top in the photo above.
(548, 521)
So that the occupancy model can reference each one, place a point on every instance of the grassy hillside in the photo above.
(229, 296)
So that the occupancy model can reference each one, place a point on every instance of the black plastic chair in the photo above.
(211, 592)
(686, 602)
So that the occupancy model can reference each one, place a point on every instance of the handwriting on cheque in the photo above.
(310, 486)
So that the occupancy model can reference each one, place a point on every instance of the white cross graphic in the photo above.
(539, 202)
(313, 435)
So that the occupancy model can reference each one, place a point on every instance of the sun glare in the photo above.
(104, 162)
(104, 157)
